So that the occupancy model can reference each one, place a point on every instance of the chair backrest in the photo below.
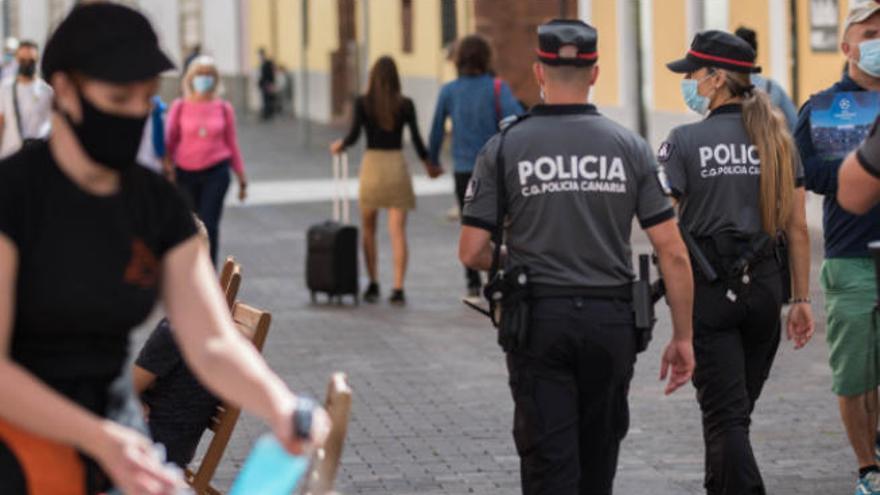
(254, 325)
(322, 474)
(226, 271)
(233, 286)
(230, 280)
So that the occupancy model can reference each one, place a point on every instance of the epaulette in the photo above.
(512, 120)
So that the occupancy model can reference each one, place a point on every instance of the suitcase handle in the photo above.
(341, 203)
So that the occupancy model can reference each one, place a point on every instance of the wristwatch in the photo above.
(302, 418)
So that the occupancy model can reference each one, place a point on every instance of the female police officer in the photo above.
(739, 186)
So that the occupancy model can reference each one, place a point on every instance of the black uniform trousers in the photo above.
(735, 343)
(570, 384)
(462, 179)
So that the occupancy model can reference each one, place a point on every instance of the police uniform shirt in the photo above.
(868, 153)
(714, 170)
(574, 181)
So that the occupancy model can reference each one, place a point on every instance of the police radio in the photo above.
(645, 295)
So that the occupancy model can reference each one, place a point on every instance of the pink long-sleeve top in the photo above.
(201, 134)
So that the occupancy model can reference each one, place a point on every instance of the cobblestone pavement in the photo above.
(432, 412)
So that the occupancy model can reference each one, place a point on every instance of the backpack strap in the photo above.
(497, 92)
(17, 111)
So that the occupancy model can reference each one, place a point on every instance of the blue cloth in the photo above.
(158, 126)
(846, 235)
(470, 102)
(778, 97)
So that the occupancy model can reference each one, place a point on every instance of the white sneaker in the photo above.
(869, 484)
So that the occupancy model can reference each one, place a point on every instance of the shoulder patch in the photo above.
(665, 151)
(472, 188)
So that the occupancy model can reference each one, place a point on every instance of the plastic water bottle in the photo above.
(270, 470)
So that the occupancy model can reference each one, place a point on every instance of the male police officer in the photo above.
(572, 182)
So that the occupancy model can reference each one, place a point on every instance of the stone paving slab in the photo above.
(432, 412)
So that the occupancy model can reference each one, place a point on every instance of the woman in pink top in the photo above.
(202, 142)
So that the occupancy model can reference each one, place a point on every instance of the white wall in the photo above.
(221, 34)
(163, 14)
(33, 20)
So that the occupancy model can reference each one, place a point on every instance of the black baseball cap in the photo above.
(717, 49)
(106, 41)
(558, 33)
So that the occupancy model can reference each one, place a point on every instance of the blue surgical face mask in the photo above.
(690, 90)
(869, 57)
(203, 84)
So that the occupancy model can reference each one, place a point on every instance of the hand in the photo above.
(242, 190)
(336, 147)
(679, 355)
(283, 428)
(799, 326)
(168, 169)
(434, 170)
(131, 462)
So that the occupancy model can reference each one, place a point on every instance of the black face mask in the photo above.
(111, 140)
(27, 68)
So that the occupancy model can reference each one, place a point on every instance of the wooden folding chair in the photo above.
(322, 474)
(254, 325)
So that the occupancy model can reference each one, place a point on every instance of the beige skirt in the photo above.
(385, 181)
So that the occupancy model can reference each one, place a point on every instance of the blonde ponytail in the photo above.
(768, 131)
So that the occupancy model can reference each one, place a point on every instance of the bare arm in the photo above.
(800, 317)
(475, 248)
(124, 454)
(858, 191)
(143, 379)
(676, 268)
(675, 265)
(218, 355)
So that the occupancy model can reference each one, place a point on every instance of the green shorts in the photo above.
(850, 293)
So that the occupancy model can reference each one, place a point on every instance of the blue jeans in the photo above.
(206, 190)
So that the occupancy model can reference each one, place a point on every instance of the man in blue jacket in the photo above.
(847, 272)
(476, 102)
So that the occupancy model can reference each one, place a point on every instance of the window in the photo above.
(406, 18)
(449, 22)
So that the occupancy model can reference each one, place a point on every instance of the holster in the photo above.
(509, 299)
(643, 305)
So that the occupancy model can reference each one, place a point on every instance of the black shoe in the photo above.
(397, 298)
(371, 295)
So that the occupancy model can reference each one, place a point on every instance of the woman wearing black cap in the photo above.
(739, 187)
(88, 243)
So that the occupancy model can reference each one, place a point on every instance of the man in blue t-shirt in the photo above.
(476, 102)
(847, 272)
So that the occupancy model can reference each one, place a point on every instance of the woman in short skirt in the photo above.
(385, 181)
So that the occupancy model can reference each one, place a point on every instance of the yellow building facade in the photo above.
(330, 44)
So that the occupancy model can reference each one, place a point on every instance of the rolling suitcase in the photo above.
(332, 250)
